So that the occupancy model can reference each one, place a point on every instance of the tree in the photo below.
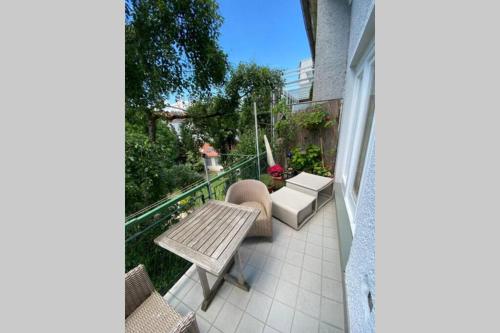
(171, 46)
(249, 83)
(215, 119)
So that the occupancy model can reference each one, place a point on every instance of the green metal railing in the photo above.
(142, 228)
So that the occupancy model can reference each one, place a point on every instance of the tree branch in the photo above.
(169, 116)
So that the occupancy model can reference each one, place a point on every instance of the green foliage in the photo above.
(314, 119)
(246, 143)
(285, 127)
(249, 83)
(266, 179)
(215, 120)
(150, 169)
(171, 47)
(309, 160)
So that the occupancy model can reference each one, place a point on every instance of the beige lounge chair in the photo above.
(253, 193)
(147, 312)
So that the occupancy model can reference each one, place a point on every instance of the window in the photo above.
(361, 118)
(366, 134)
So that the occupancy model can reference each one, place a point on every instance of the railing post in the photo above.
(256, 139)
(208, 178)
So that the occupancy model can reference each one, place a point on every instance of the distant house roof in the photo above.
(208, 150)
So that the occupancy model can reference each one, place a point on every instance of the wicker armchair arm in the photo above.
(187, 325)
(138, 287)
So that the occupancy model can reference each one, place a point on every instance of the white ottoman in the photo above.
(293, 207)
(319, 187)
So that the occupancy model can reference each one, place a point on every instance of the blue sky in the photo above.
(268, 32)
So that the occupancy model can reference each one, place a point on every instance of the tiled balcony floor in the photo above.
(295, 284)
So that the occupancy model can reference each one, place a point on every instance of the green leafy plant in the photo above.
(309, 160)
(314, 119)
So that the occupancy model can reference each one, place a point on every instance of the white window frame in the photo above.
(358, 113)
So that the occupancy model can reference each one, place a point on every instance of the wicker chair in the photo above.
(147, 312)
(253, 193)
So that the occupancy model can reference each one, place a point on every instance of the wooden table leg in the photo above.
(208, 293)
(239, 281)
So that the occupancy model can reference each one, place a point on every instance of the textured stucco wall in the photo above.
(332, 38)
(360, 271)
(360, 12)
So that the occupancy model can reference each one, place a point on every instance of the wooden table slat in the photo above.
(225, 236)
(231, 247)
(206, 218)
(179, 227)
(212, 229)
(215, 237)
(211, 210)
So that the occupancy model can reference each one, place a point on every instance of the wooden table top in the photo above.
(210, 236)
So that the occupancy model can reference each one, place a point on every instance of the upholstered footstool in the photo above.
(293, 207)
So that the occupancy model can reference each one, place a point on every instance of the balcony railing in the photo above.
(143, 227)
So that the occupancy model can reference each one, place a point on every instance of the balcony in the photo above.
(295, 280)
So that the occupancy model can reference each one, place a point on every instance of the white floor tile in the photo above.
(291, 273)
(266, 284)
(269, 329)
(257, 260)
(294, 257)
(331, 255)
(182, 287)
(303, 323)
(249, 324)
(312, 264)
(332, 289)
(286, 293)
(240, 297)
(280, 317)
(297, 245)
(251, 274)
(278, 252)
(228, 318)
(315, 239)
(309, 303)
(273, 266)
(213, 309)
(259, 305)
(214, 330)
(331, 270)
(194, 297)
(182, 309)
(203, 324)
(314, 250)
(325, 328)
(310, 282)
(264, 247)
(332, 312)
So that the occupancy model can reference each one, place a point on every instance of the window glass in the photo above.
(366, 133)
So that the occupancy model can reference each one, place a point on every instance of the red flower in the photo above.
(276, 170)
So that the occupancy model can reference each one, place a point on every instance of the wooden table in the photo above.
(210, 238)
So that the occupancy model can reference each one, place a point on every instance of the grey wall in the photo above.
(332, 38)
(360, 271)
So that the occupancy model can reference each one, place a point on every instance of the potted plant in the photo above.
(268, 181)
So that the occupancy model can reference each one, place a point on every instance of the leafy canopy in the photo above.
(171, 47)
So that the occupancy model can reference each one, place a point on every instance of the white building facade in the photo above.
(342, 40)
